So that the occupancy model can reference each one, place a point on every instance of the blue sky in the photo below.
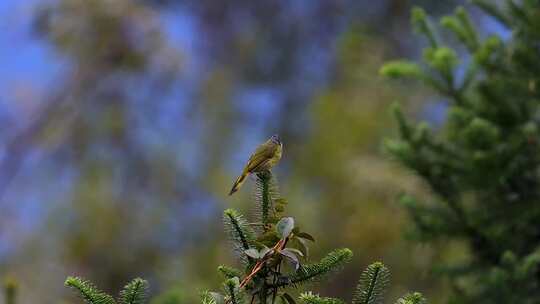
(28, 63)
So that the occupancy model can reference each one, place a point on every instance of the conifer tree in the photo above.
(273, 251)
(484, 165)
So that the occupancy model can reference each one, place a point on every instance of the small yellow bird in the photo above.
(264, 158)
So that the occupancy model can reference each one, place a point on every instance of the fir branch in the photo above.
(229, 272)
(401, 69)
(472, 35)
(422, 25)
(430, 220)
(452, 24)
(529, 264)
(492, 9)
(310, 298)
(404, 126)
(232, 290)
(521, 11)
(88, 292)
(487, 50)
(371, 285)
(461, 26)
(134, 292)
(412, 298)
(470, 76)
(314, 272)
(443, 60)
(206, 298)
(240, 233)
(266, 192)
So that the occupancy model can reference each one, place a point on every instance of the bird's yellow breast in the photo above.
(276, 157)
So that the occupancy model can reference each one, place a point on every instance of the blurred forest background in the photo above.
(124, 123)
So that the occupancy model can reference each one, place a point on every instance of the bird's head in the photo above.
(275, 139)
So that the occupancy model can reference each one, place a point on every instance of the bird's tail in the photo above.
(238, 183)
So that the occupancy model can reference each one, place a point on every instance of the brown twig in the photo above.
(258, 266)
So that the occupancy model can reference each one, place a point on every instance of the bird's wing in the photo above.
(261, 155)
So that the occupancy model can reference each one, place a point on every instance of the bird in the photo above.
(266, 156)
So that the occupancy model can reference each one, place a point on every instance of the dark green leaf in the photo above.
(265, 250)
(218, 298)
(302, 245)
(296, 251)
(253, 253)
(306, 236)
(289, 298)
